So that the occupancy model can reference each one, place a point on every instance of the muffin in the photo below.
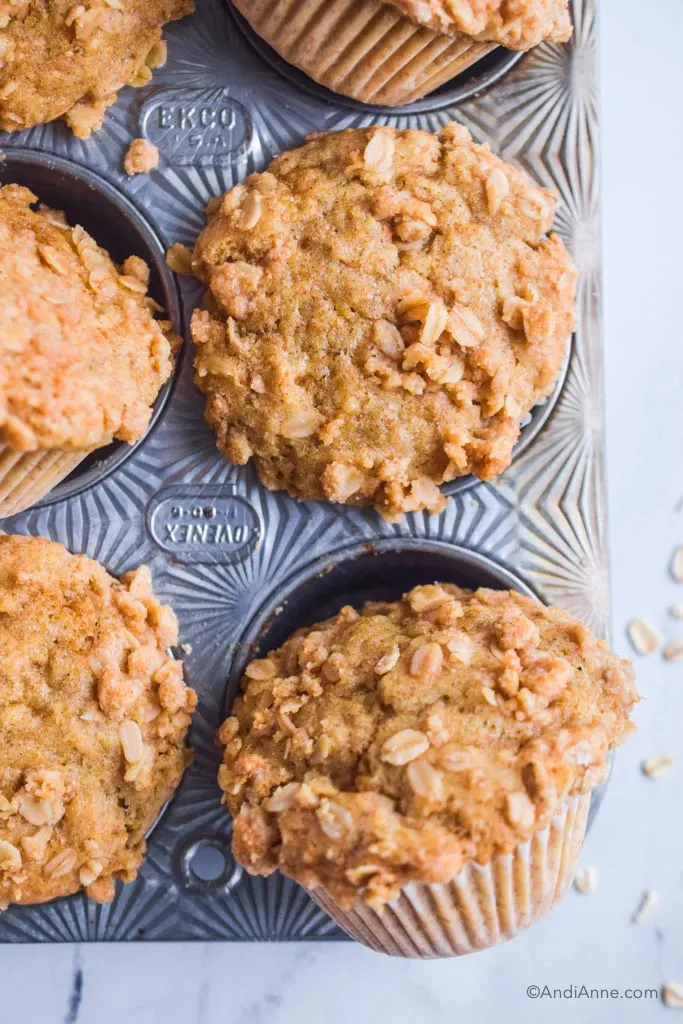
(82, 358)
(424, 767)
(93, 714)
(395, 52)
(384, 307)
(64, 59)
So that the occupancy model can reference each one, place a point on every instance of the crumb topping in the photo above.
(93, 714)
(82, 358)
(384, 308)
(179, 259)
(141, 157)
(393, 745)
(69, 59)
(517, 24)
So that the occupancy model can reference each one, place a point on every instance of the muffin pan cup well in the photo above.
(221, 548)
(353, 575)
(116, 224)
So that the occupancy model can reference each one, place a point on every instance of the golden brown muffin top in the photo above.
(392, 746)
(60, 58)
(384, 308)
(81, 356)
(517, 24)
(93, 713)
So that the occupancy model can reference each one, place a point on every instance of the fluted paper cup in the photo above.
(27, 477)
(482, 905)
(362, 48)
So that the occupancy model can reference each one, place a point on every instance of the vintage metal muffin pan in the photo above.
(243, 566)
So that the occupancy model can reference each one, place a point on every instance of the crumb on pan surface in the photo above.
(93, 714)
(141, 157)
(392, 746)
(384, 307)
(179, 259)
(60, 58)
(517, 24)
(82, 358)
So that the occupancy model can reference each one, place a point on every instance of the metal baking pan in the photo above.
(243, 566)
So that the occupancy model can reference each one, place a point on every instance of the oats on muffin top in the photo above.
(60, 58)
(93, 713)
(517, 24)
(384, 308)
(392, 746)
(82, 358)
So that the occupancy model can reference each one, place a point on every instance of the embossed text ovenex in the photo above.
(223, 550)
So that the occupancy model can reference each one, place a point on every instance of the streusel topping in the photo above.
(384, 308)
(81, 356)
(517, 24)
(141, 157)
(60, 58)
(93, 714)
(393, 745)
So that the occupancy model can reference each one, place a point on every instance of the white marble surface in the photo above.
(637, 841)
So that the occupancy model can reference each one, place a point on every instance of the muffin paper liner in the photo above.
(362, 48)
(26, 477)
(482, 905)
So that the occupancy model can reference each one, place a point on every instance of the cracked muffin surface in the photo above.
(383, 309)
(93, 715)
(82, 358)
(64, 59)
(394, 745)
(516, 24)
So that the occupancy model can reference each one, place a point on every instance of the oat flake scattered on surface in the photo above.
(677, 565)
(672, 994)
(673, 651)
(644, 638)
(658, 766)
(648, 902)
(586, 880)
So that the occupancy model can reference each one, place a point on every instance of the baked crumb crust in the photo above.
(142, 156)
(384, 308)
(82, 358)
(60, 58)
(517, 24)
(392, 746)
(93, 714)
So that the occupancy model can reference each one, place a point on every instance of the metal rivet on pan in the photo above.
(206, 863)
